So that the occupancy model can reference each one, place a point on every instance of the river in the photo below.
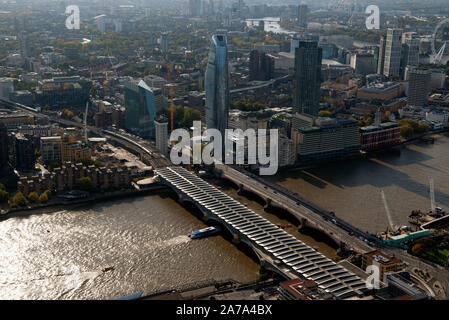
(61, 255)
(352, 189)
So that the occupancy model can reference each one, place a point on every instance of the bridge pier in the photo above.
(205, 216)
(180, 198)
(267, 204)
(240, 190)
(235, 238)
(302, 224)
(342, 249)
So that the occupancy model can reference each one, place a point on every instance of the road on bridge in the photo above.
(295, 207)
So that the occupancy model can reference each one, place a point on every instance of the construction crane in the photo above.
(387, 210)
(171, 100)
(172, 93)
(85, 121)
(432, 195)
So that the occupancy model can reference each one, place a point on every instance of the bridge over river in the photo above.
(277, 249)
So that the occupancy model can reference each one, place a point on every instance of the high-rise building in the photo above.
(302, 15)
(294, 42)
(24, 45)
(381, 55)
(418, 86)
(195, 8)
(217, 85)
(51, 149)
(23, 153)
(393, 49)
(164, 43)
(3, 145)
(307, 78)
(6, 87)
(410, 54)
(162, 136)
(261, 66)
(140, 109)
(363, 63)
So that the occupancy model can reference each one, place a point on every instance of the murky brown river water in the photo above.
(61, 255)
(352, 189)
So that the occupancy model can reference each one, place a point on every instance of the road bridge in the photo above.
(342, 233)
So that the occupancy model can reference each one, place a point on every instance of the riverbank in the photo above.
(421, 136)
(208, 289)
(60, 204)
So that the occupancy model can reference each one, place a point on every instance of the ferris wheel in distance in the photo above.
(345, 6)
(440, 41)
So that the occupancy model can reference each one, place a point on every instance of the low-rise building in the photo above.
(16, 119)
(287, 151)
(381, 91)
(385, 263)
(68, 175)
(297, 289)
(324, 139)
(438, 116)
(376, 137)
(74, 151)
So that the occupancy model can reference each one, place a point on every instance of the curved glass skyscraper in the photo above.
(140, 109)
(217, 85)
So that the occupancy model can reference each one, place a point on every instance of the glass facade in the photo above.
(140, 109)
(217, 85)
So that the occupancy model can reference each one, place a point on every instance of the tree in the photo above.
(33, 197)
(53, 165)
(407, 131)
(86, 184)
(4, 196)
(324, 114)
(422, 127)
(48, 193)
(43, 198)
(19, 200)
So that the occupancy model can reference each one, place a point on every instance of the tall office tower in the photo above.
(307, 78)
(261, 66)
(381, 57)
(140, 109)
(162, 136)
(393, 49)
(410, 54)
(418, 86)
(197, 8)
(408, 36)
(211, 7)
(217, 85)
(302, 15)
(24, 45)
(191, 8)
(164, 43)
(23, 152)
(294, 42)
(3, 145)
